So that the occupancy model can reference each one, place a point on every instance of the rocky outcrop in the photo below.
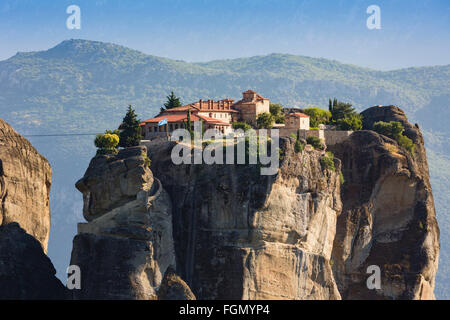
(25, 179)
(240, 235)
(306, 232)
(174, 288)
(25, 271)
(126, 246)
(388, 217)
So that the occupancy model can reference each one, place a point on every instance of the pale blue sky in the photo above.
(413, 33)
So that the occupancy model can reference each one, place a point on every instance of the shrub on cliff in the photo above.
(106, 143)
(327, 161)
(344, 116)
(352, 122)
(394, 130)
(130, 131)
(298, 147)
(315, 142)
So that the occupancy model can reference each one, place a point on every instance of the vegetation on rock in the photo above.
(344, 116)
(276, 110)
(241, 125)
(265, 120)
(327, 161)
(394, 130)
(130, 131)
(315, 142)
(106, 143)
(317, 116)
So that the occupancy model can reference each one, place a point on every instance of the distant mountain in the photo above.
(82, 86)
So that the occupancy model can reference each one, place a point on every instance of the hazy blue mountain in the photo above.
(84, 86)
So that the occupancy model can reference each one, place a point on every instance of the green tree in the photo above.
(172, 102)
(188, 123)
(276, 110)
(130, 131)
(315, 142)
(265, 121)
(317, 116)
(394, 130)
(106, 143)
(351, 122)
(115, 131)
(241, 125)
(341, 110)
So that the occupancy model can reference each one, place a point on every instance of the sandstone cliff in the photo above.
(240, 235)
(388, 217)
(25, 271)
(126, 246)
(304, 233)
(25, 179)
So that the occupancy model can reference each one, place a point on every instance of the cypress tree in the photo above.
(130, 131)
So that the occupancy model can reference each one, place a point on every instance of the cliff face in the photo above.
(25, 180)
(300, 234)
(240, 235)
(388, 217)
(25, 271)
(126, 246)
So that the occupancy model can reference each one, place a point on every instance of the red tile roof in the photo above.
(183, 117)
(298, 115)
(196, 107)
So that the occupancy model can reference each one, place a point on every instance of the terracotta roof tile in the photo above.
(298, 115)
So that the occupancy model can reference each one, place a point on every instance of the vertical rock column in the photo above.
(126, 246)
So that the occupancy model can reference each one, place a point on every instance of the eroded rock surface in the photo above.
(25, 271)
(388, 217)
(25, 180)
(240, 235)
(126, 247)
(300, 234)
(174, 288)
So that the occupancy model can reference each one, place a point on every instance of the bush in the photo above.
(241, 125)
(327, 161)
(394, 130)
(315, 142)
(106, 143)
(276, 110)
(341, 178)
(317, 116)
(352, 122)
(406, 143)
(265, 120)
(298, 147)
